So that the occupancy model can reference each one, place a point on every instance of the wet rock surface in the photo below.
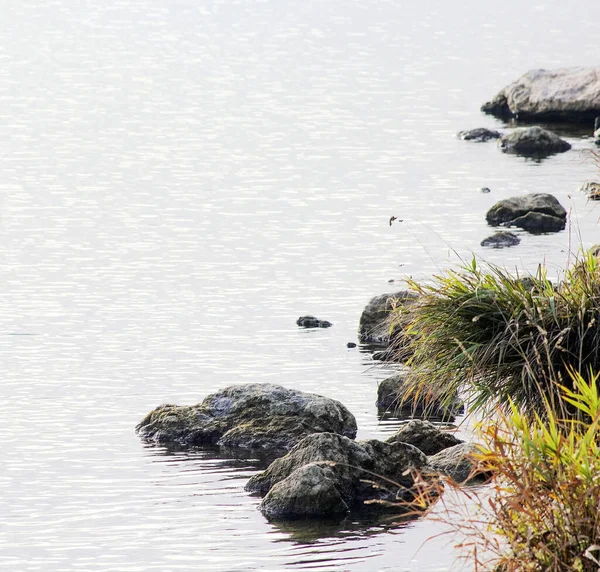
(457, 463)
(566, 94)
(394, 400)
(358, 471)
(508, 212)
(533, 142)
(501, 239)
(479, 135)
(425, 436)
(261, 416)
(375, 320)
(312, 322)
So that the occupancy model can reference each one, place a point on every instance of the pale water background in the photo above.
(181, 180)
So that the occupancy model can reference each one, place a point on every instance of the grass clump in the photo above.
(502, 338)
(542, 511)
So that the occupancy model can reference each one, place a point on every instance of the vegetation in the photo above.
(540, 512)
(501, 338)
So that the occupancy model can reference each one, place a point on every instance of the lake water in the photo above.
(179, 181)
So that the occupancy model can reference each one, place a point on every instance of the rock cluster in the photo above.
(535, 213)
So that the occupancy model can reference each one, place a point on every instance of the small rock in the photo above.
(425, 436)
(485, 190)
(351, 345)
(502, 239)
(533, 142)
(392, 401)
(481, 134)
(312, 322)
(457, 463)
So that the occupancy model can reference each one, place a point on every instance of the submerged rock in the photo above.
(533, 142)
(375, 321)
(394, 400)
(425, 436)
(252, 416)
(480, 135)
(357, 471)
(312, 322)
(567, 94)
(591, 189)
(515, 211)
(458, 463)
(501, 239)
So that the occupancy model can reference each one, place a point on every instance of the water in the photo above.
(179, 182)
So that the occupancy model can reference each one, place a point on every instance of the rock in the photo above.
(533, 142)
(307, 492)
(374, 324)
(537, 223)
(456, 462)
(392, 401)
(485, 190)
(502, 239)
(568, 94)
(425, 436)
(481, 134)
(360, 472)
(591, 189)
(312, 322)
(507, 210)
(252, 416)
(351, 345)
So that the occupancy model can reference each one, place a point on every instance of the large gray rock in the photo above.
(252, 416)
(425, 436)
(538, 223)
(375, 321)
(359, 471)
(458, 463)
(533, 142)
(394, 400)
(567, 94)
(507, 211)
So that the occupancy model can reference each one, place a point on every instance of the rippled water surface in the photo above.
(179, 181)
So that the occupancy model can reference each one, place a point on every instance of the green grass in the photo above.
(501, 338)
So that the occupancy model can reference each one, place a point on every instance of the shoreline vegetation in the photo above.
(525, 354)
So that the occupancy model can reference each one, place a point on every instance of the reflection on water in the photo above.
(179, 182)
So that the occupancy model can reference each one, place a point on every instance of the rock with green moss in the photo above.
(351, 473)
(261, 416)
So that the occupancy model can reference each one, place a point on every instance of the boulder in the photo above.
(360, 472)
(537, 223)
(308, 492)
(375, 320)
(567, 94)
(252, 416)
(508, 210)
(395, 400)
(480, 135)
(425, 436)
(501, 239)
(591, 189)
(312, 322)
(457, 463)
(533, 142)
